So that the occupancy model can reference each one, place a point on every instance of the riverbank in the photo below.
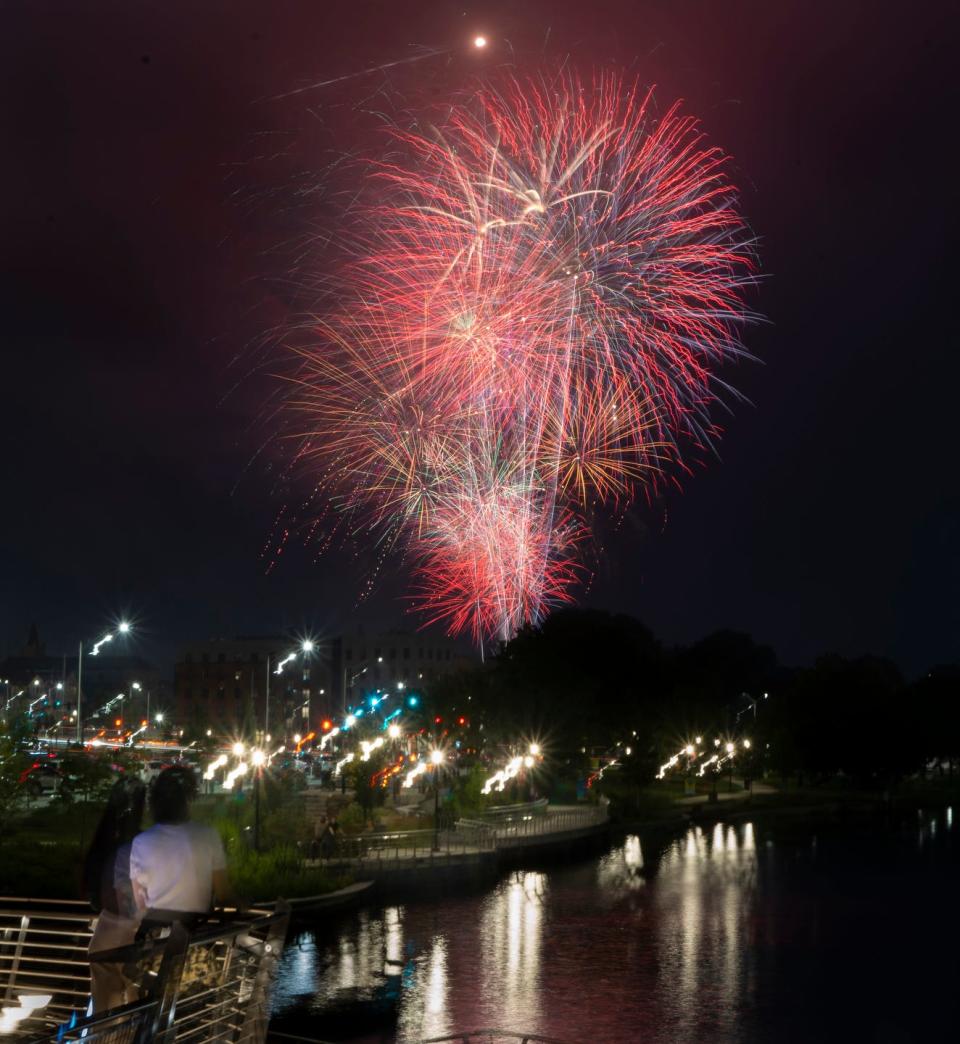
(798, 805)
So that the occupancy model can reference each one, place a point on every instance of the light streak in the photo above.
(237, 772)
(500, 779)
(367, 747)
(211, 769)
(418, 770)
(329, 737)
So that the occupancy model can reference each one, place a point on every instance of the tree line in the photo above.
(586, 680)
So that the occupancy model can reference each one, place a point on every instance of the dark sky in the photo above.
(153, 198)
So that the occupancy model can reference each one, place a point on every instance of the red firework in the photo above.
(540, 300)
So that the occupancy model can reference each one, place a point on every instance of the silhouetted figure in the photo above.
(106, 882)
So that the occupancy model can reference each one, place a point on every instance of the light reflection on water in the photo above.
(687, 941)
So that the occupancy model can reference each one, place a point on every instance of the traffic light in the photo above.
(437, 720)
(326, 725)
(412, 700)
(461, 720)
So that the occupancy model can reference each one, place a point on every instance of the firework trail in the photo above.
(535, 312)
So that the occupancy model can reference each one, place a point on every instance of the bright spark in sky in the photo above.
(479, 41)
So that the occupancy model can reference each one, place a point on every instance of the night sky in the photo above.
(155, 198)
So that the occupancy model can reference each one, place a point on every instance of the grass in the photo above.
(265, 876)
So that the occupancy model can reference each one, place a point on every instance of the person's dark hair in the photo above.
(171, 793)
(118, 825)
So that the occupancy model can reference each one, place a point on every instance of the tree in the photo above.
(13, 763)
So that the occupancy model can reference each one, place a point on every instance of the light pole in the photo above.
(436, 756)
(258, 758)
(123, 628)
(306, 647)
(349, 685)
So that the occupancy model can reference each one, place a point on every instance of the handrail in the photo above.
(535, 807)
(216, 980)
(468, 837)
(492, 1036)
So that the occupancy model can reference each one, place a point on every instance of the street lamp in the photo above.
(349, 685)
(306, 647)
(436, 756)
(257, 759)
(122, 628)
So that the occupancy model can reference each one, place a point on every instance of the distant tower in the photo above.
(35, 648)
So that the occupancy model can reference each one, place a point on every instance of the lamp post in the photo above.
(436, 756)
(258, 758)
(349, 685)
(123, 628)
(306, 647)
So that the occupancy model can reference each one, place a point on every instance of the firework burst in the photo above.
(535, 312)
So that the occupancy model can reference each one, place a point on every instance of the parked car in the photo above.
(42, 777)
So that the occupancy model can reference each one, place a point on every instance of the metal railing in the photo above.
(493, 1036)
(213, 985)
(481, 1036)
(410, 846)
(43, 953)
(510, 829)
(527, 808)
(507, 828)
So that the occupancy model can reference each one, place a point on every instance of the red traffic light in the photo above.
(437, 720)
(326, 724)
(461, 721)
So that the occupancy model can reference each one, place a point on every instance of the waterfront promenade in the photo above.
(474, 847)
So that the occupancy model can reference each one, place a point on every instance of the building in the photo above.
(233, 686)
(366, 661)
(45, 685)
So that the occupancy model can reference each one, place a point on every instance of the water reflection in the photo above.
(682, 940)
(510, 946)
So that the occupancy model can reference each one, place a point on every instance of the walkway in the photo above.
(733, 795)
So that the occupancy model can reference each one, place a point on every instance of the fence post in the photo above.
(161, 1028)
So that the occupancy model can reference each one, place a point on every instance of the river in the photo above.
(735, 932)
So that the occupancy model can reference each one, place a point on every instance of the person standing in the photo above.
(178, 868)
(106, 881)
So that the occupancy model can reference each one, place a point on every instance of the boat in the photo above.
(341, 899)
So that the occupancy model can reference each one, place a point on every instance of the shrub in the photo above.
(265, 876)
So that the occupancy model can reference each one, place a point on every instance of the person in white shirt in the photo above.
(177, 867)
